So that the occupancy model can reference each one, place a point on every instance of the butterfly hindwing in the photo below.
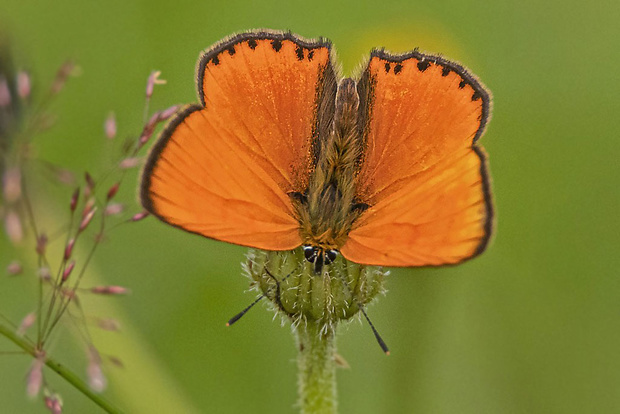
(422, 175)
(224, 169)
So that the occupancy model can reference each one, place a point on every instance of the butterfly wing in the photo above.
(422, 175)
(224, 169)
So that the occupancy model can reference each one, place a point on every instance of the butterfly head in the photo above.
(319, 257)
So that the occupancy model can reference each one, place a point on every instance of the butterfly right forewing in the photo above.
(422, 175)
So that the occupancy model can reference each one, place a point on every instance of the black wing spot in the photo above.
(398, 68)
(276, 44)
(311, 55)
(215, 60)
(462, 84)
(361, 207)
(301, 197)
(445, 71)
(387, 68)
(475, 96)
(231, 50)
(300, 53)
(252, 43)
(423, 65)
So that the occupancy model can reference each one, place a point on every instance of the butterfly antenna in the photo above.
(243, 312)
(374, 330)
(378, 337)
(251, 305)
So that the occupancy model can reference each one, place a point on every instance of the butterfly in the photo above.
(282, 152)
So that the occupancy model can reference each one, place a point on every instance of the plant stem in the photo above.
(69, 376)
(317, 370)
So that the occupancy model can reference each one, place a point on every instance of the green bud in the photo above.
(288, 280)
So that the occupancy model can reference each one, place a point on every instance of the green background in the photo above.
(531, 326)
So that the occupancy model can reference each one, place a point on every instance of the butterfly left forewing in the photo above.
(422, 176)
(225, 169)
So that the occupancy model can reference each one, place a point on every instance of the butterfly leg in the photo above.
(277, 282)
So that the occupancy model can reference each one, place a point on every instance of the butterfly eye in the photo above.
(310, 253)
(330, 256)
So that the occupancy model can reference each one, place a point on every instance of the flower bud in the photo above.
(114, 209)
(140, 216)
(14, 268)
(69, 248)
(88, 217)
(129, 163)
(96, 379)
(167, 113)
(110, 290)
(149, 129)
(152, 81)
(12, 185)
(110, 126)
(26, 323)
(35, 378)
(90, 183)
(88, 206)
(113, 190)
(289, 281)
(53, 402)
(23, 84)
(67, 272)
(13, 226)
(74, 199)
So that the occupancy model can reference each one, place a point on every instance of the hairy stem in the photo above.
(61, 370)
(317, 370)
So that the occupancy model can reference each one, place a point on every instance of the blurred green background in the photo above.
(531, 326)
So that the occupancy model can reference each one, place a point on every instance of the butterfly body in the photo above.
(328, 207)
(383, 168)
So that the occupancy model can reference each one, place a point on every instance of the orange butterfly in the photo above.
(282, 152)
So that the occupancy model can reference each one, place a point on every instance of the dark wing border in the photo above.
(480, 91)
(225, 45)
(154, 154)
